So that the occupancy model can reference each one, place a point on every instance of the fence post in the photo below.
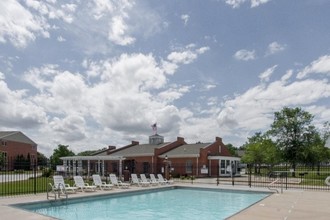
(250, 174)
(35, 176)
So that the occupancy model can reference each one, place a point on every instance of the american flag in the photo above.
(154, 128)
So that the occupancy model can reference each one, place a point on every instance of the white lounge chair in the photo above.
(155, 180)
(99, 183)
(162, 179)
(144, 179)
(136, 181)
(118, 183)
(79, 182)
(61, 187)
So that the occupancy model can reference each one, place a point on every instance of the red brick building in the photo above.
(176, 158)
(13, 145)
(181, 158)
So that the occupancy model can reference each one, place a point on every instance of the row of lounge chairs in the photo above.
(60, 187)
(143, 181)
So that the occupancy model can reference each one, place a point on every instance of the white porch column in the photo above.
(79, 167)
(120, 168)
(102, 167)
(88, 167)
(197, 168)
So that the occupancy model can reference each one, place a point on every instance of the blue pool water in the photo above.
(181, 203)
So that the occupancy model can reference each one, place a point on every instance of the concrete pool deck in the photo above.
(291, 205)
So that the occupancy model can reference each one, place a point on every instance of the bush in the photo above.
(47, 172)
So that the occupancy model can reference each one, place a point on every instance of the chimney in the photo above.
(111, 148)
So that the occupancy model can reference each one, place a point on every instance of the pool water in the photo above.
(171, 204)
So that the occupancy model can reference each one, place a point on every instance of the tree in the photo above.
(87, 153)
(291, 129)
(232, 149)
(60, 151)
(42, 159)
(259, 150)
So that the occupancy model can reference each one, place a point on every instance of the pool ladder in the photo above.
(272, 183)
(56, 192)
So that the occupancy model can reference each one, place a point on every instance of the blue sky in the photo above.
(89, 74)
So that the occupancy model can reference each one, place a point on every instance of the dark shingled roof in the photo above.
(138, 150)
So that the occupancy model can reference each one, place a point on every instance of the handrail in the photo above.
(272, 183)
(62, 190)
(51, 190)
(57, 191)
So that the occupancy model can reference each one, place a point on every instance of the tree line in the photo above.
(292, 139)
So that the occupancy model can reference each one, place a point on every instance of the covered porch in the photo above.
(88, 165)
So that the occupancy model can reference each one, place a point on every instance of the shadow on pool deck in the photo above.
(292, 204)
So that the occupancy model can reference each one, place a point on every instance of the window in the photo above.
(146, 167)
(3, 160)
(3, 143)
(189, 166)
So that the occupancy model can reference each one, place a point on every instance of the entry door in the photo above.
(224, 164)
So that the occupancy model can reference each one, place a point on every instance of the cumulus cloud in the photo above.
(2, 76)
(185, 19)
(256, 3)
(17, 110)
(186, 56)
(118, 32)
(264, 76)
(238, 3)
(19, 26)
(321, 65)
(253, 110)
(274, 47)
(173, 93)
(245, 55)
(60, 39)
(70, 128)
(235, 3)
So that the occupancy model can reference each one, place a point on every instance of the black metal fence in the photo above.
(34, 178)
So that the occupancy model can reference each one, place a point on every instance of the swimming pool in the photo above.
(170, 203)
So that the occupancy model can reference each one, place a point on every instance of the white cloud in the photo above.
(245, 55)
(71, 128)
(186, 56)
(53, 10)
(173, 93)
(61, 39)
(264, 76)
(253, 110)
(185, 19)
(118, 32)
(101, 7)
(235, 3)
(2, 76)
(274, 47)
(238, 3)
(287, 76)
(17, 110)
(18, 25)
(256, 3)
(321, 65)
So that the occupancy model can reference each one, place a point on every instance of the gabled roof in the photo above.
(186, 150)
(138, 150)
(16, 136)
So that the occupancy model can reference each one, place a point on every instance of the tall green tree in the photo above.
(60, 151)
(42, 159)
(291, 129)
(232, 149)
(260, 149)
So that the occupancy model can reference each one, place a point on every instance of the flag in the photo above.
(154, 128)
